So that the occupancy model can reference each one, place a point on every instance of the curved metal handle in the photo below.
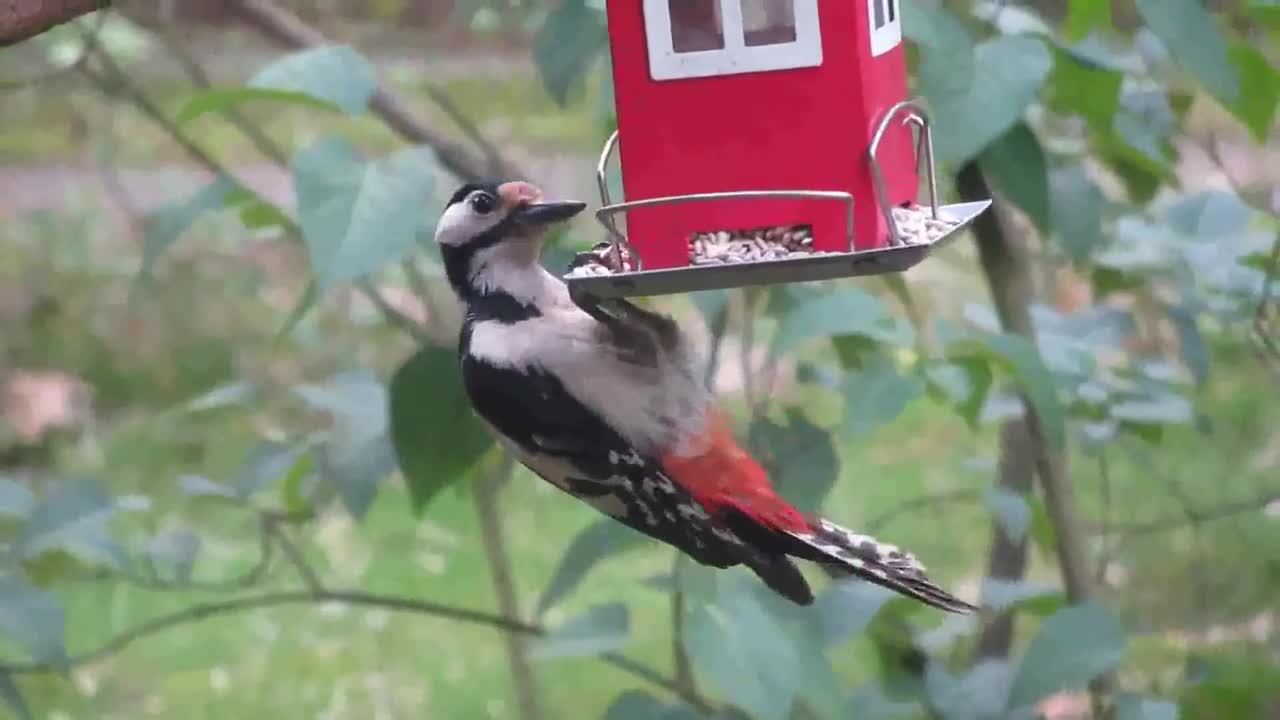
(605, 214)
(920, 119)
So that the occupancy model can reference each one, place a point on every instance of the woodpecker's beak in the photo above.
(539, 214)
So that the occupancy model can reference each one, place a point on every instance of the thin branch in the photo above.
(297, 559)
(113, 78)
(288, 29)
(468, 128)
(922, 502)
(1105, 531)
(485, 494)
(643, 672)
(203, 611)
(1197, 516)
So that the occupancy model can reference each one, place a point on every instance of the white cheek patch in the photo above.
(458, 225)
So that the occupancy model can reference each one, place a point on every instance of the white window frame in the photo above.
(888, 37)
(736, 56)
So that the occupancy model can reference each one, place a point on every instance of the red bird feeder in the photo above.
(764, 141)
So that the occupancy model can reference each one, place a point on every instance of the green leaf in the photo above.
(259, 213)
(1012, 69)
(265, 465)
(738, 648)
(1011, 511)
(232, 394)
(946, 48)
(876, 395)
(16, 500)
(846, 607)
(1260, 83)
(602, 539)
(1017, 356)
(74, 518)
(1002, 595)
(436, 435)
(357, 217)
(12, 696)
(1191, 345)
(844, 312)
(800, 458)
(571, 38)
(1191, 35)
(218, 100)
(1136, 707)
(601, 629)
(357, 453)
(1077, 206)
(164, 227)
(640, 705)
(176, 552)
(1085, 16)
(332, 77)
(197, 486)
(306, 303)
(1079, 85)
(32, 618)
(1165, 409)
(1072, 647)
(1017, 167)
(980, 694)
(293, 496)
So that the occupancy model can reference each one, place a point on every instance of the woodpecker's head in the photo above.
(491, 235)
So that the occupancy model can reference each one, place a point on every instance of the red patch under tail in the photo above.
(720, 475)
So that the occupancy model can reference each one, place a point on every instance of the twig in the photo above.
(1196, 516)
(289, 30)
(114, 78)
(297, 559)
(1104, 532)
(202, 611)
(625, 663)
(1007, 270)
(485, 494)
(747, 299)
(921, 502)
(493, 156)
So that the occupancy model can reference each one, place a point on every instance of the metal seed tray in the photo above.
(830, 266)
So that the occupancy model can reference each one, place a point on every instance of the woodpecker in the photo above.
(605, 401)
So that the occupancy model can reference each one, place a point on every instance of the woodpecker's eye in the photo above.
(483, 203)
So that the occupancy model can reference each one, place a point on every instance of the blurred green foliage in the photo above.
(220, 442)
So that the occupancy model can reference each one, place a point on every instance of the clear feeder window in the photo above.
(768, 22)
(885, 21)
(700, 38)
(696, 25)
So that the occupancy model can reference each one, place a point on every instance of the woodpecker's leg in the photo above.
(626, 332)
(617, 314)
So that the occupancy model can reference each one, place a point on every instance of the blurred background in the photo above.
(238, 477)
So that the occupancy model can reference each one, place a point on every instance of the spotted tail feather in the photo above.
(880, 563)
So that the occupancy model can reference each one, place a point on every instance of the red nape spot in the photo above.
(519, 192)
(720, 474)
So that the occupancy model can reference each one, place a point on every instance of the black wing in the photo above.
(533, 410)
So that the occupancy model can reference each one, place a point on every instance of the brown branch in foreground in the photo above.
(1007, 269)
(24, 19)
(1008, 558)
(291, 31)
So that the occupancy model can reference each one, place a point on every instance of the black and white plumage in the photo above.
(605, 401)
